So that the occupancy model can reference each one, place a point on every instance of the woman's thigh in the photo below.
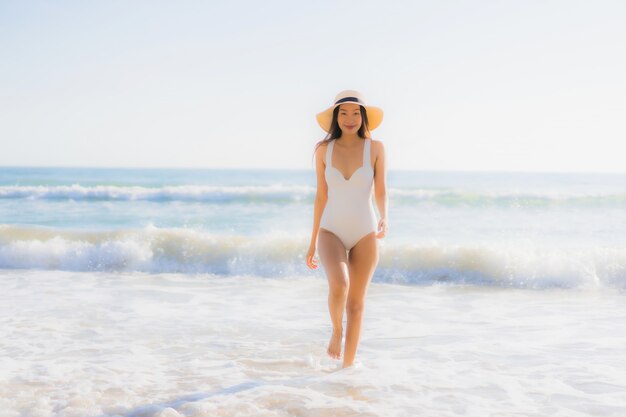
(362, 263)
(334, 258)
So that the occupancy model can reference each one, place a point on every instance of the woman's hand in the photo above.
(382, 228)
(311, 262)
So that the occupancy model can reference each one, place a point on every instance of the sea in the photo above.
(184, 292)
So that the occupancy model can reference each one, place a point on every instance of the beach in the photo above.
(158, 292)
(160, 164)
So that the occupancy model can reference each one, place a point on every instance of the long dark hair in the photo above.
(335, 131)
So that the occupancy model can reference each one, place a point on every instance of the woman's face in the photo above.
(349, 118)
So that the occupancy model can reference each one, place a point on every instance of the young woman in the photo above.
(350, 165)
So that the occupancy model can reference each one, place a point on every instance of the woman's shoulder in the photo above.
(377, 144)
(320, 149)
(321, 145)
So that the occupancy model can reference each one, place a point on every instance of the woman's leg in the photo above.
(333, 256)
(362, 263)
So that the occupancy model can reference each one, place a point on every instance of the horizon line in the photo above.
(308, 169)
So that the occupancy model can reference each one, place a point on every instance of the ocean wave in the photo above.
(281, 193)
(203, 193)
(180, 250)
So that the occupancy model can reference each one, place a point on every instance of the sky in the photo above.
(465, 85)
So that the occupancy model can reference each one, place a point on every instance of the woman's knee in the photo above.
(355, 307)
(339, 288)
(338, 279)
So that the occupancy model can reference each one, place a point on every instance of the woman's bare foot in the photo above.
(334, 346)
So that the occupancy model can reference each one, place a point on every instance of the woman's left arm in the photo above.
(380, 189)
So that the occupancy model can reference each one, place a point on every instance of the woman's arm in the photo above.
(380, 188)
(321, 195)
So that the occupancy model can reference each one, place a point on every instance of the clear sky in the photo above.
(465, 85)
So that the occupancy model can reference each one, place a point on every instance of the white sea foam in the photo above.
(524, 264)
(278, 193)
(170, 192)
(172, 345)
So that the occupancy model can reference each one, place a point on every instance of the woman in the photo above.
(349, 166)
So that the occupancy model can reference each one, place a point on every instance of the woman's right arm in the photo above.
(321, 196)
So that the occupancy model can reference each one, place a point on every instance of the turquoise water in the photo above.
(540, 229)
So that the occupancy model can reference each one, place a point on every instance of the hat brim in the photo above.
(374, 117)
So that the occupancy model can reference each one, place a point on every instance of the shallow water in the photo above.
(138, 344)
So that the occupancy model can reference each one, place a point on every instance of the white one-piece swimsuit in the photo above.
(349, 212)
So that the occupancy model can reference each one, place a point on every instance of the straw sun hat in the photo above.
(374, 114)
